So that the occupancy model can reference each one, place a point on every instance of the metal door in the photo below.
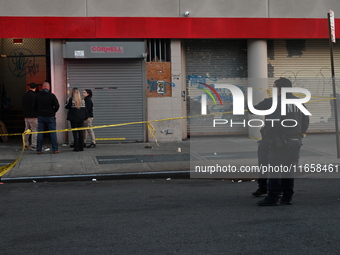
(118, 95)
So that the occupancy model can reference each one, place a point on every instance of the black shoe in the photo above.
(84, 145)
(286, 201)
(72, 145)
(268, 202)
(259, 192)
(92, 145)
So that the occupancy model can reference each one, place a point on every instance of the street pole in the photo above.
(331, 41)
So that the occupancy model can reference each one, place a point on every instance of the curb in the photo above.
(97, 177)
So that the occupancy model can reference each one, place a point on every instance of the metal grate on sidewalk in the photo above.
(123, 159)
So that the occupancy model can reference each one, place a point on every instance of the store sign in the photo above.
(106, 49)
(79, 54)
(332, 25)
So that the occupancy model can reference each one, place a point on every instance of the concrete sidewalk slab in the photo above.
(233, 150)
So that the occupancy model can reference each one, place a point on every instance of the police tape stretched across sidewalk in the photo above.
(4, 169)
(151, 129)
(236, 108)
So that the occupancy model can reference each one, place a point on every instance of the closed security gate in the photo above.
(211, 62)
(117, 86)
(307, 64)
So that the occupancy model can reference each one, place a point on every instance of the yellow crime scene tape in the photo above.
(4, 169)
(151, 128)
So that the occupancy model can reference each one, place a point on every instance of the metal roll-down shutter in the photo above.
(117, 86)
(307, 64)
(209, 62)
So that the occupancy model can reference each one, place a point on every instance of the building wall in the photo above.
(169, 107)
(302, 8)
(171, 8)
(65, 8)
(58, 85)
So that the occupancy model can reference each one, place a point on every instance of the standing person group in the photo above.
(46, 105)
(39, 110)
(80, 114)
(30, 116)
(281, 147)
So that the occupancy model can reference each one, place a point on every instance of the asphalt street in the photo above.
(159, 216)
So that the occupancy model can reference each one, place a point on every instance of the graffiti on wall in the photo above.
(159, 86)
(319, 83)
(219, 100)
(159, 79)
(22, 62)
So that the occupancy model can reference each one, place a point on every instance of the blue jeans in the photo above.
(50, 124)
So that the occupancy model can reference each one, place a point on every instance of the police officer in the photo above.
(263, 148)
(284, 147)
(262, 156)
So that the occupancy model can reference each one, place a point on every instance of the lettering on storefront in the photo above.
(106, 49)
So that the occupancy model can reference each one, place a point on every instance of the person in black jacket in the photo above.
(262, 158)
(46, 104)
(87, 93)
(76, 115)
(30, 116)
(284, 146)
(263, 148)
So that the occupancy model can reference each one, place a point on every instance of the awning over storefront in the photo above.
(156, 27)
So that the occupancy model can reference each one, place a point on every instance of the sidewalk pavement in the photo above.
(138, 160)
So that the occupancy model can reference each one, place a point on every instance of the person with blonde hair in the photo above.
(76, 115)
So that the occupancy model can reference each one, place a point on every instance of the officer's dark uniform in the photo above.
(263, 148)
(284, 149)
(262, 156)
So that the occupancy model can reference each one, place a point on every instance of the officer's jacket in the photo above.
(284, 124)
